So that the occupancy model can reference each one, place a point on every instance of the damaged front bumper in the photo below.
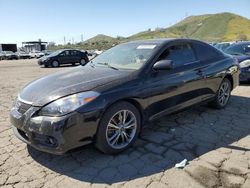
(54, 135)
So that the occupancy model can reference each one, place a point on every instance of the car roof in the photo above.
(241, 43)
(165, 40)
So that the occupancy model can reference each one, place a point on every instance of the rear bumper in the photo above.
(55, 135)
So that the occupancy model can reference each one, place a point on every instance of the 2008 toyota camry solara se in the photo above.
(108, 100)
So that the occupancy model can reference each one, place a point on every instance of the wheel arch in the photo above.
(230, 78)
(132, 101)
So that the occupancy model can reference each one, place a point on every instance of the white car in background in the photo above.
(36, 54)
(98, 52)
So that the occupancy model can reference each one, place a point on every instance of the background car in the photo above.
(9, 55)
(22, 55)
(109, 100)
(36, 54)
(223, 45)
(1, 56)
(67, 56)
(241, 51)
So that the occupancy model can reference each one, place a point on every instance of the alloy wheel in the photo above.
(121, 129)
(55, 64)
(224, 93)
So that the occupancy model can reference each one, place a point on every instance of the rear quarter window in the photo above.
(205, 52)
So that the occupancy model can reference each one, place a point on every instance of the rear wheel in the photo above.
(223, 95)
(55, 64)
(118, 128)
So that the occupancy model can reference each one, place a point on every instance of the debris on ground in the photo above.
(182, 164)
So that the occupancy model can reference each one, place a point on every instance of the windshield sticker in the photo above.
(149, 46)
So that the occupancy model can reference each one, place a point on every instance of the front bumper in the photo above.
(40, 62)
(55, 135)
(245, 74)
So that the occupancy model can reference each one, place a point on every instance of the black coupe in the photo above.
(108, 100)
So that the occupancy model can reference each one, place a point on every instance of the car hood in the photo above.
(57, 85)
(43, 58)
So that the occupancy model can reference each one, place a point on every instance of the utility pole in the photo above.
(81, 37)
(64, 39)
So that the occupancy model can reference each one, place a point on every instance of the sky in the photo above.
(52, 20)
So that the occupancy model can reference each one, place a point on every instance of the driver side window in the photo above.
(62, 54)
(181, 54)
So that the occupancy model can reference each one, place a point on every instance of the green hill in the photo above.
(100, 38)
(210, 27)
(100, 42)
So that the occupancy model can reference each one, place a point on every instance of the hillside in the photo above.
(100, 38)
(211, 27)
(100, 42)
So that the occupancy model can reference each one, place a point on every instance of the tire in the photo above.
(221, 99)
(55, 64)
(121, 141)
(83, 62)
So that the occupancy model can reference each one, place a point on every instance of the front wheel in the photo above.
(118, 128)
(223, 95)
(55, 64)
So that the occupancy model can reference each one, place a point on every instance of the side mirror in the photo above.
(163, 65)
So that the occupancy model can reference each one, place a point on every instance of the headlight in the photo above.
(245, 64)
(68, 104)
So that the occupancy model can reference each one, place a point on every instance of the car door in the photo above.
(213, 67)
(64, 57)
(75, 56)
(172, 90)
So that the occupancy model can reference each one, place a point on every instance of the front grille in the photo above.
(22, 107)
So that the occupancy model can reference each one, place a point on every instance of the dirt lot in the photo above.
(216, 143)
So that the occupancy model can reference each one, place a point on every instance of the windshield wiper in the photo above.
(108, 65)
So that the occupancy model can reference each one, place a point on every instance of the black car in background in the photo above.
(108, 100)
(223, 45)
(241, 51)
(67, 56)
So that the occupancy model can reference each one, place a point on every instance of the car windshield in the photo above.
(237, 49)
(126, 56)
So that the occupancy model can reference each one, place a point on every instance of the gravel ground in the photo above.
(215, 142)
